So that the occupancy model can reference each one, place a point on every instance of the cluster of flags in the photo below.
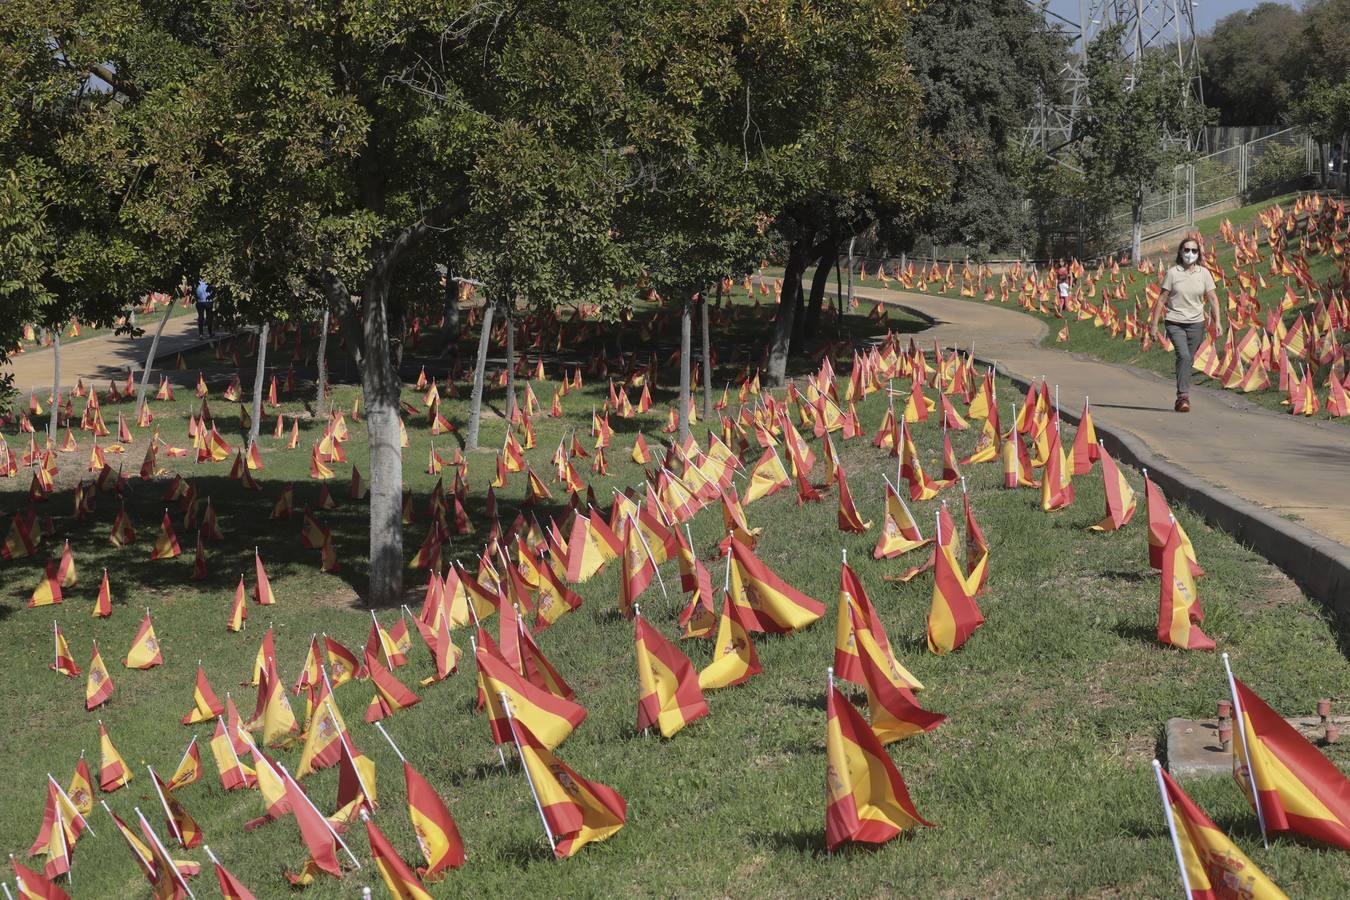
(1303, 359)
(528, 575)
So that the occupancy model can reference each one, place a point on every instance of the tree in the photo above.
(1254, 63)
(981, 64)
(1127, 137)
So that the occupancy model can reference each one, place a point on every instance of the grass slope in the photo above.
(1039, 780)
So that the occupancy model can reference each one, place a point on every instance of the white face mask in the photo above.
(1189, 256)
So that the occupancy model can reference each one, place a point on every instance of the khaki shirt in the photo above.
(1186, 293)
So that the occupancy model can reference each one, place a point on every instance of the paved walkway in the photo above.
(98, 359)
(1294, 467)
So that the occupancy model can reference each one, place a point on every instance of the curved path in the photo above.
(1290, 470)
(100, 358)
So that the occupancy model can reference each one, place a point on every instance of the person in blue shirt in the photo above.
(206, 319)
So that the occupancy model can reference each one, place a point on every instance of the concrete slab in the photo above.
(1194, 751)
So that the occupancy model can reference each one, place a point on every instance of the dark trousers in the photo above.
(1186, 339)
(206, 319)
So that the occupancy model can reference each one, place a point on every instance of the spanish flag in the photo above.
(401, 881)
(98, 687)
(234, 774)
(63, 661)
(586, 550)
(262, 591)
(103, 603)
(1057, 480)
(184, 827)
(1120, 498)
(48, 590)
(81, 790)
(1299, 789)
(549, 716)
(669, 693)
(857, 612)
(33, 886)
(391, 695)
(113, 772)
(899, 532)
(1086, 449)
(641, 455)
(767, 477)
(894, 711)
(342, 662)
(1179, 613)
(953, 615)
(1212, 865)
(437, 833)
(865, 798)
(238, 609)
(578, 811)
(734, 659)
(144, 652)
(189, 769)
(1160, 524)
(638, 570)
(166, 545)
(230, 887)
(849, 518)
(771, 604)
(323, 735)
(205, 704)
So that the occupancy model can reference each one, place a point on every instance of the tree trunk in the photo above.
(1137, 232)
(707, 356)
(826, 261)
(780, 343)
(321, 401)
(510, 324)
(851, 241)
(56, 383)
(150, 357)
(686, 329)
(476, 398)
(451, 311)
(838, 297)
(258, 374)
(380, 385)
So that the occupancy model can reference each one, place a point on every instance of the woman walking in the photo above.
(1185, 289)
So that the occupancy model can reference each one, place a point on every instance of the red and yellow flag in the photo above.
(34, 886)
(437, 833)
(205, 704)
(144, 652)
(112, 772)
(1057, 480)
(1213, 865)
(767, 477)
(771, 605)
(953, 615)
(401, 880)
(638, 570)
(98, 687)
(1160, 523)
(669, 693)
(899, 532)
(103, 603)
(166, 545)
(550, 717)
(894, 711)
(865, 798)
(1298, 788)
(48, 590)
(857, 612)
(230, 887)
(62, 660)
(189, 769)
(1179, 613)
(391, 695)
(1120, 499)
(734, 659)
(578, 811)
(262, 591)
(849, 519)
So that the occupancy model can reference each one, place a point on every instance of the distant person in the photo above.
(1185, 289)
(206, 309)
(1336, 158)
(1062, 284)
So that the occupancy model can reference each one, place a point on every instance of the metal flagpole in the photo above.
(168, 814)
(331, 830)
(1172, 829)
(548, 830)
(397, 751)
(168, 860)
(1246, 751)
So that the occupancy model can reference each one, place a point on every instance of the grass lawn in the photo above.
(1087, 338)
(1039, 780)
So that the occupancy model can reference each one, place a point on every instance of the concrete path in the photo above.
(98, 359)
(1296, 468)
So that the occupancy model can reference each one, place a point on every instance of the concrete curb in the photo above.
(1319, 565)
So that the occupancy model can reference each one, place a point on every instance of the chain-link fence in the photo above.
(1250, 171)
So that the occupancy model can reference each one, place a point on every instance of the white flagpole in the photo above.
(397, 751)
(65, 845)
(329, 825)
(645, 546)
(56, 644)
(351, 751)
(1246, 751)
(18, 881)
(66, 797)
(229, 741)
(143, 861)
(1172, 829)
(190, 745)
(548, 830)
(168, 814)
(168, 860)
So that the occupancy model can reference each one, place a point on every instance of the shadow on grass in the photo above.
(1121, 575)
(1130, 631)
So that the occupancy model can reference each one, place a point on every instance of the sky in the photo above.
(1207, 12)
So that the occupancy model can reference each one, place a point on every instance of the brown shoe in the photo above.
(1183, 404)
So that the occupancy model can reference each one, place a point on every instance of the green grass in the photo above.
(1039, 780)
(1088, 339)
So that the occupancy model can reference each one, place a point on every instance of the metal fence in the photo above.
(1241, 171)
